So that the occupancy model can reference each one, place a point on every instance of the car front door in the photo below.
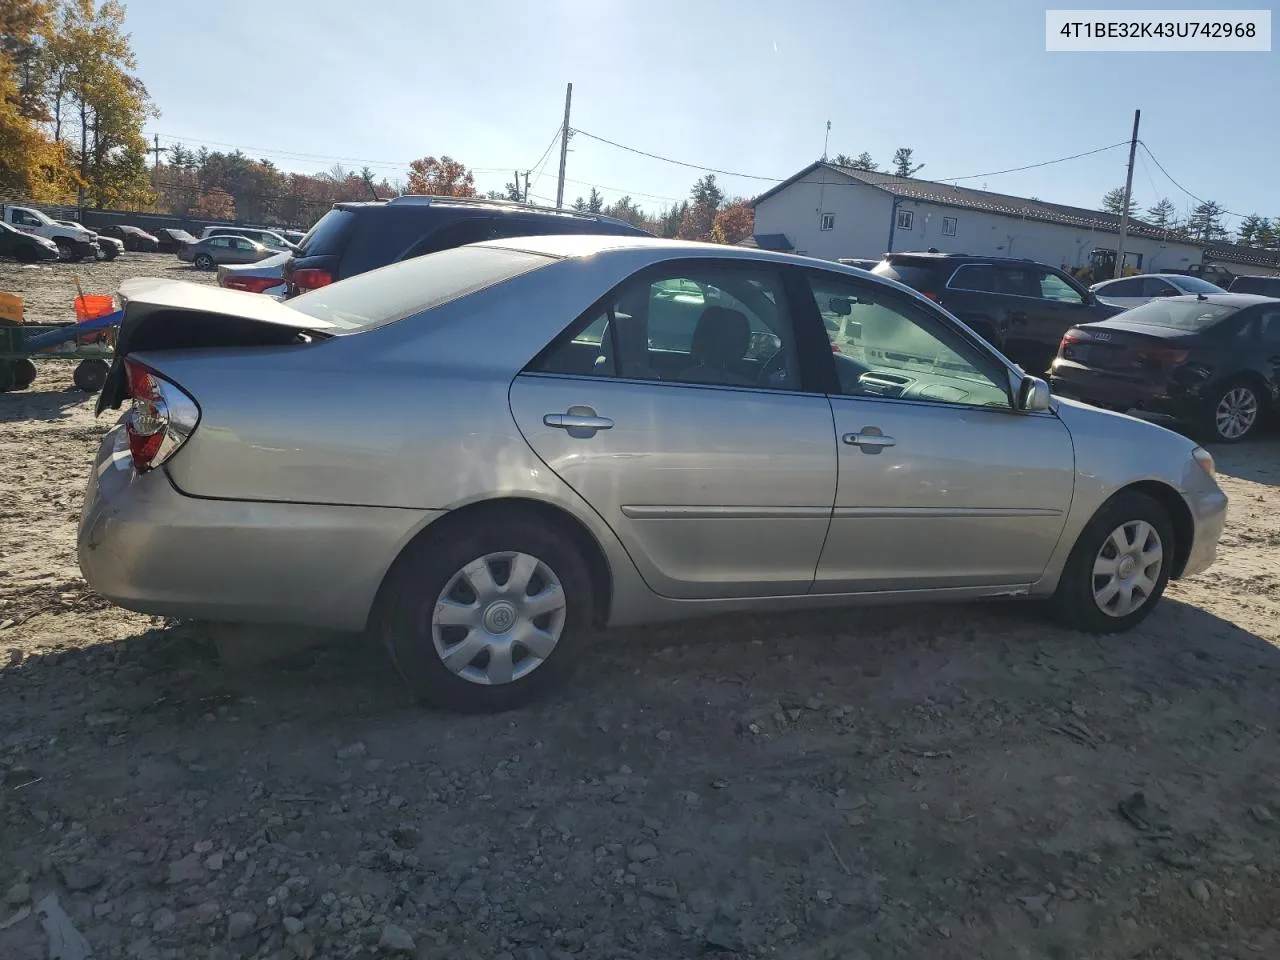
(243, 251)
(702, 446)
(1125, 293)
(942, 483)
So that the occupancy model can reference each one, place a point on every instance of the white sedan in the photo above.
(1135, 291)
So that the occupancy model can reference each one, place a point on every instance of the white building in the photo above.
(835, 212)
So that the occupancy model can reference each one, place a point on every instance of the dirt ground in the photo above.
(947, 782)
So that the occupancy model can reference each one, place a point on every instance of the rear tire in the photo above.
(90, 375)
(464, 576)
(1233, 413)
(203, 261)
(24, 373)
(7, 378)
(1085, 599)
(110, 253)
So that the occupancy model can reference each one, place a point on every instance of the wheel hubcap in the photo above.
(498, 618)
(1127, 568)
(1236, 413)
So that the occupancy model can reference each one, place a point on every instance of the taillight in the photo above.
(250, 284)
(311, 278)
(1165, 355)
(161, 418)
(1068, 339)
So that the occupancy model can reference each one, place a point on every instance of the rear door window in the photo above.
(1017, 281)
(973, 276)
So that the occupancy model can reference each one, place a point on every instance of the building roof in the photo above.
(1234, 253)
(947, 194)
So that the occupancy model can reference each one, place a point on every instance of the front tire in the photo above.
(487, 618)
(68, 250)
(90, 375)
(203, 262)
(1119, 567)
(1233, 413)
(24, 373)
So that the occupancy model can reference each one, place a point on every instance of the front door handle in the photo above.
(579, 422)
(869, 440)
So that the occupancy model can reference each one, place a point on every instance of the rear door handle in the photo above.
(575, 421)
(870, 440)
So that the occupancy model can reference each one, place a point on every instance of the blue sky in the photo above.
(743, 85)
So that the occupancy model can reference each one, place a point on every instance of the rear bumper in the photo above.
(146, 546)
(1120, 393)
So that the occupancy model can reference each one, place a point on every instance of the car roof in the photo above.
(573, 245)
(1237, 300)
(937, 255)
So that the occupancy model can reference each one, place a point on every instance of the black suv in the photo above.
(357, 237)
(1262, 286)
(1019, 306)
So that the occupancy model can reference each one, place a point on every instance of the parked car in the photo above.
(268, 238)
(173, 239)
(1263, 286)
(108, 247)
(208, 253)
(353, 238)
(265, 276)
(478, 455)
(860, 264)
(1210, 361)
(293, 236)
(74, 241)
(135, 239)
(1020, 306)
(26, 247)
(1129, 292)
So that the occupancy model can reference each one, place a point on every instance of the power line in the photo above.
(1147, 149)
(547, 152)
(1033, 166)
(679, 163)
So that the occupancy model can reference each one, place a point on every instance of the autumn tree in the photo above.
(1162, 214)
(32, 164)
(1113, 202)
(445, 177)
(97, 105)
(733, 224)
(902, 165)
(215, 204)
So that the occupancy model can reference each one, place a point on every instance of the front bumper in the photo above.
(1208, 518)
(146, 546)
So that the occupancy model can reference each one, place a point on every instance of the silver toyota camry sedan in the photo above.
(488, 454)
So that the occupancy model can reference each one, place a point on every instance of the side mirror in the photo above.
(840, 306)
(1033, 395)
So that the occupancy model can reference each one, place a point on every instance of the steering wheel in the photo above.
(773, 366)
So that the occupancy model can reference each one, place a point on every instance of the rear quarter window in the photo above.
(328, 235)
(1263, 286)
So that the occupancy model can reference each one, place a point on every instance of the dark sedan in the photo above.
(26, 247)
(1210, 361)
(172, 239)
(133, 238)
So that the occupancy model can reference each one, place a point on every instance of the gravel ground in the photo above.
(946, 782)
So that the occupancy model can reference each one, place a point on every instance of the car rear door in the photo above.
(713, 462)
(942, 483)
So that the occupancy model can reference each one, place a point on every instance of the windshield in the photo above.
(1189, 315)
(1194, 285)
(392, 293)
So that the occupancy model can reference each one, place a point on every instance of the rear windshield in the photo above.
(328, 235)
(1194, 285)
(1264, 286)
(913, 275)
(1191, 315)
(392, 293)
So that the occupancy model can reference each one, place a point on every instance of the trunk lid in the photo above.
(1133, 350)
(164, 314)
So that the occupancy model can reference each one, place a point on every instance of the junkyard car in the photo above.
(482, 455)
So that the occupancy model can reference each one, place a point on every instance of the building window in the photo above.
(948, 226)
(905, 219)
(828, 222)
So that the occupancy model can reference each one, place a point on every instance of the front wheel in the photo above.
(203, 261)
(24, 373)
(110, 253)
(68, 250)
(90, 375)
(1233, 413)
(485, 620)
(1119, 567)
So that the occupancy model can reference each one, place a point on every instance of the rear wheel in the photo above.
(203, 261)
(7, 378)
(1119, 567)
(487, 619)
(90, 375)
(110, 252)
(1233, 412)
(24, 373)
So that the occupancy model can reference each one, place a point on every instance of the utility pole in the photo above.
(1128, 191)
(564, 147)
(825, 140)
(526, 185)
(155, 168)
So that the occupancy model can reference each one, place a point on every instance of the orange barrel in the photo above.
(90, 307)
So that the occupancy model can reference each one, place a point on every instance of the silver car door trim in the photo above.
(662, 512)
(571, 421)
(917, 512)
